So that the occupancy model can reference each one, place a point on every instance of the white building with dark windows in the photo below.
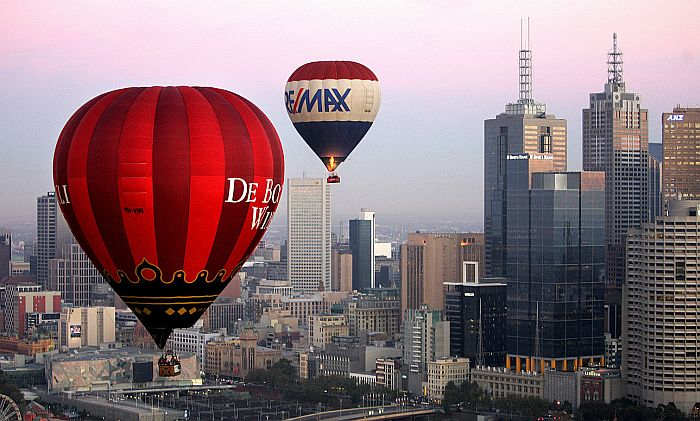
(661, 298)
(309, 234)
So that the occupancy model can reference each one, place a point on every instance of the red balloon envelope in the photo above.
(168, 190)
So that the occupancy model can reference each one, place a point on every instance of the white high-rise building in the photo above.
(660, 309)
(309, 234)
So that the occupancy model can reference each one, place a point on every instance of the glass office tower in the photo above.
(555, 265)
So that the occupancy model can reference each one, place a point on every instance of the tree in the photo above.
(10, 390)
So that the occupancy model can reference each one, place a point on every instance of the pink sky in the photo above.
(444, 67)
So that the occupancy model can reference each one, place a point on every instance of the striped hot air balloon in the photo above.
(168, 190)
(332, 105)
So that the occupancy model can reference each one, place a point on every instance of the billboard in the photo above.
(142, 371)
(75, 331)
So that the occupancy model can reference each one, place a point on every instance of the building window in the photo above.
(680, 269)
(545, 143)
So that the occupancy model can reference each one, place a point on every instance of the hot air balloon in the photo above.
(332, 104)
(168, 190)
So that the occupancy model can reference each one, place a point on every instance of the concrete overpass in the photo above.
(376, 413)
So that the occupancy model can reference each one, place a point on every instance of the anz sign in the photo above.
(675, 117)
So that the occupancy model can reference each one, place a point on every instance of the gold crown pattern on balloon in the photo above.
(148, 272)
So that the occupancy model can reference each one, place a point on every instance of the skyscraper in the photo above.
(52, 234)
(524, 128)
(74, 276)
(660, 324)
(5, 254)
(430, 259)
(477, 312)
(655, 189)
(426, 337)
(615, 140)
(309, 234)
(681, 143)
(555, 266)
(362, 232)
(341, 268)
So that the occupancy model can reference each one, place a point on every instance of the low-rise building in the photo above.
(237, 357)
(224, 313)
(22, 301)
(269, 286)
(15, 345)
(126, 368)
(86, 326)
(500, 382)
(364, 378)
(443, 371)
(192, 340)
(324, 327)
(584, 385)
(379, 311)
(613, 351)
(388, 373)
(18, 268)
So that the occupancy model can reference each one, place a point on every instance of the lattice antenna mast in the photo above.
(615, 63)
(525, 64)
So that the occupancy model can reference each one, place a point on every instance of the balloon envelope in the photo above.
(168, 190)
(332, 105)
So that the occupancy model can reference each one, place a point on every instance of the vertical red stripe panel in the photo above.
(77, 182)
(238, 155)
(60, 172)
(103, 179)
(171, 180)
(277, 157)
(207, 169)
(135, 177)
(40, 304)
(262, 158)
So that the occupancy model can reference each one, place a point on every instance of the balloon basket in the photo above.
(169, 365)
(333, 178)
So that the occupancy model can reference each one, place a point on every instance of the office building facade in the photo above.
(5, 254)
(681, 143)
(524, 129)
(443, 371)
(86, 326)
(426, 337)
(555, 268)
(341, 265)
(309, 234)
(615, 140)
(430, 259)
(25, 303)
(660, 322)
(379, 311)
(74, 276)
(477, 313)
(362, 233)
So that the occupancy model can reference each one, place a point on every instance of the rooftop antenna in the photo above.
(525, 63)
(615, 63)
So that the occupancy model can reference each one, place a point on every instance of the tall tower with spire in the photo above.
(616, 141)
(524, 132)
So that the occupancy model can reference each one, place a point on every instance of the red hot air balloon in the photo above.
(168, 190)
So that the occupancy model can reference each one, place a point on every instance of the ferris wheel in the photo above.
(9, 411)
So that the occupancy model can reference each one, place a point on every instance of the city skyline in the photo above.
(59, 56)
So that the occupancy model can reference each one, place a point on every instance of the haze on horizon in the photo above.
(444, 67)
